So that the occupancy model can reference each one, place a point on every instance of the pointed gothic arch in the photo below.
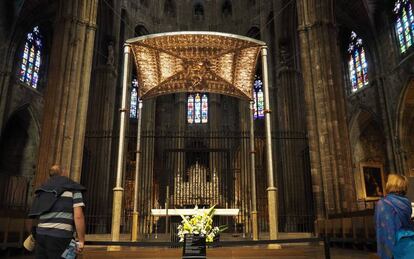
(367, 137)
(368, 144)
(19, 143)
(405, 128)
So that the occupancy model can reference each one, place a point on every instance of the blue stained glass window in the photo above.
(133, 109)
(404, 25)
(358, 66)
(258, 97)
(31, 58)
(197, 108)
(190, 109)
(204, 109)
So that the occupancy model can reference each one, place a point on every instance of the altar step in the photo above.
(223, 237)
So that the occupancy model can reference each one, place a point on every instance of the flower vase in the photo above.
(194, 246)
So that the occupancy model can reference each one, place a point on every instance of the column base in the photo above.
(134, 231)
(116, 213)
(272, 207)
(274, 246)
(255, 228)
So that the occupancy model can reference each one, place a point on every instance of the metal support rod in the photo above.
(271, 189)
(118, 190)
(253, 175)
(167, 205)
(134, 234)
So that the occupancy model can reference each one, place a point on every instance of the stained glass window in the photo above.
(358, 67)
(190, 109)
(204, 109)
(197, 108)
(31, 58)
(258, 98)
(404, 25)
(133, 109)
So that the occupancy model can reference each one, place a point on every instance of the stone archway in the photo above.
(405, 129)
(19, 143)
(367, 139)
(368, 144)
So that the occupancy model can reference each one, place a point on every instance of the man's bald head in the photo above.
(55, 170)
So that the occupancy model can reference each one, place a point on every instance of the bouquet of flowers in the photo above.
(201, 223)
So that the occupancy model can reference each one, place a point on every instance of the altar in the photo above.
(186, 212)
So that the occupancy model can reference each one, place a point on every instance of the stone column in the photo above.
(67, 93)
(331, 164)
(5, 77)
(5, 69)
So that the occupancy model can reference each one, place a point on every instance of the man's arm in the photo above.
(79, 219)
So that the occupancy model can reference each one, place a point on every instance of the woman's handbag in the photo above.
(29, 243)
(404, 244)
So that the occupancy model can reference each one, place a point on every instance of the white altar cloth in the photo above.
(178, 212)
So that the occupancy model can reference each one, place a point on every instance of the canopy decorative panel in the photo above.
(194, 62)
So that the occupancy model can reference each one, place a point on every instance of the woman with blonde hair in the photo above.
(395, 231)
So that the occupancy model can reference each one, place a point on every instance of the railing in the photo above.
(296, 223)
(356, 228)
(316, 240)
(13, 192)
(183, 169)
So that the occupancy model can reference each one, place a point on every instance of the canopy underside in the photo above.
(195, 62)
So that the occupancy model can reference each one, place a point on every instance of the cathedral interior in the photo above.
(341, 96)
